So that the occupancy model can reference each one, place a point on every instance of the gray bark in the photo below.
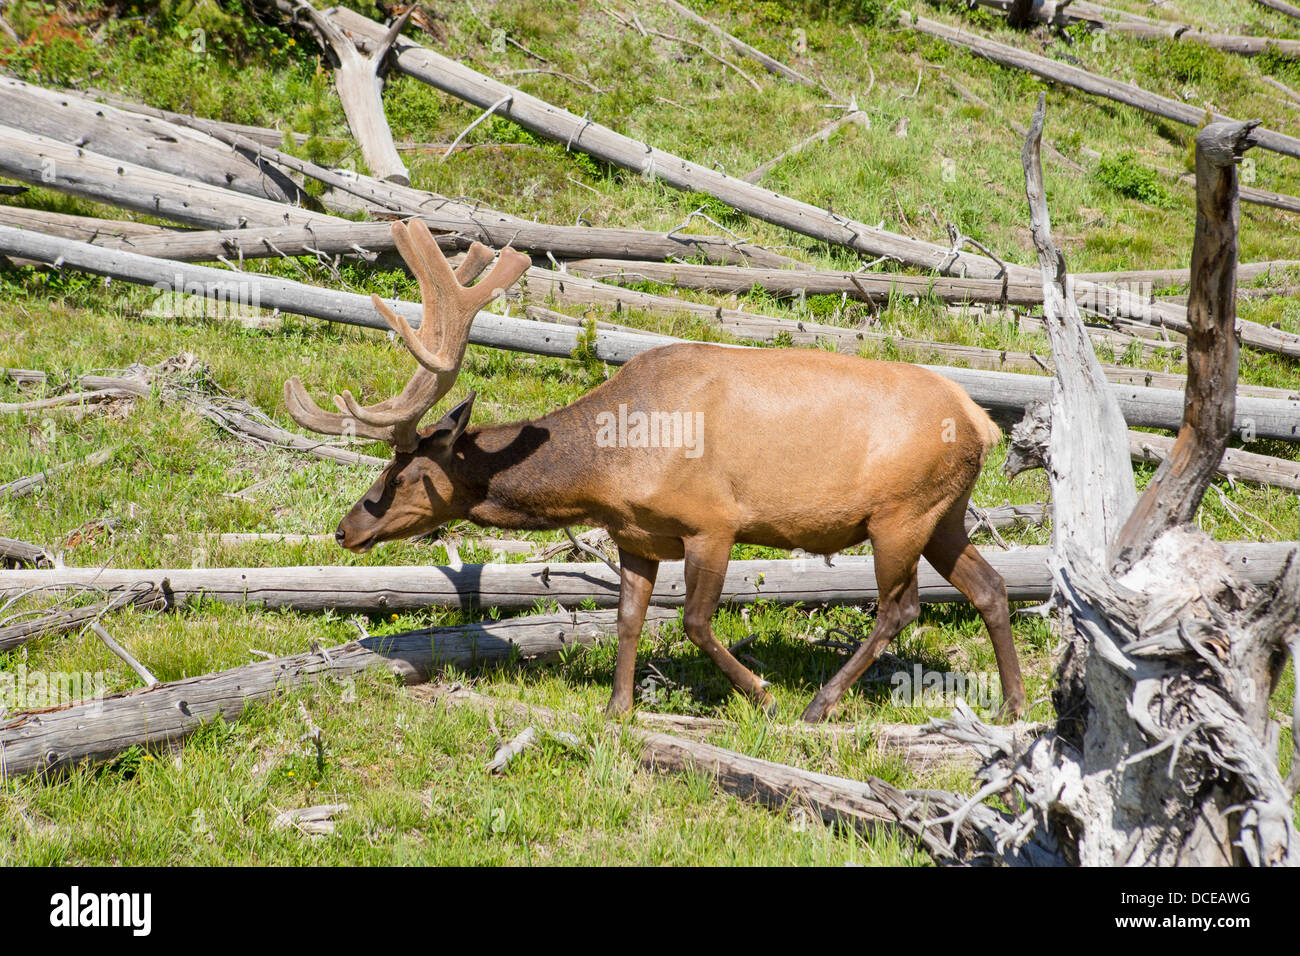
(53, 740)
(80, 172)
(1164, 752)
(1004, 392)
(849, 580)
(142, 140)
(1055, 71)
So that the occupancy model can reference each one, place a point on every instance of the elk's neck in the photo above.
(522, 476)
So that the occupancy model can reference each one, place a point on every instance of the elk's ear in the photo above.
(443, 434)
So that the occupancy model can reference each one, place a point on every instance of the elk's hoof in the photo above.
(1013, 708)
(818, 711)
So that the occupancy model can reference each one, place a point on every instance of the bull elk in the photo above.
(789, 448)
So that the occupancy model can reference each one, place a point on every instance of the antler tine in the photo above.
(449, 307)
(309, 415)
(476, 260)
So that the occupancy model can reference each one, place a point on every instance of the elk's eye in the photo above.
(396, 481)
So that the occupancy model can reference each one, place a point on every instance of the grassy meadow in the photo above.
(412, 772)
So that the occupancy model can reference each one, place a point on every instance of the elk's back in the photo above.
(790, 447)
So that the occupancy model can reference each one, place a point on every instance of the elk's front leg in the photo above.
(706, 570)
(636, 582)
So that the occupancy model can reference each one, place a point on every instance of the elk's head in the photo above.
(415, 493)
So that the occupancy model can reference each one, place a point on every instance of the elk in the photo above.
(789, 448)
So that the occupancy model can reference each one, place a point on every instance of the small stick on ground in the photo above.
(141, 671)
(508, 752)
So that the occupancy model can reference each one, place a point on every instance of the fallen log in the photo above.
(21, 487)
(141, 140)
(56, 739)
(83, 228)
(358, 79)
(1238, 464)
(807, 580)
(22, 377)
(924, 752)
(603, 143)
(860, 804)
(1246, 272)
(1054, 71)
(52, 623)
(1282, 7)
(1061, 14)
(15, 553)
(454, 232)
(1004, 392)
(1235, 463)
(80, 172)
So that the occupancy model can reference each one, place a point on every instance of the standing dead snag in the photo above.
(1164, 752)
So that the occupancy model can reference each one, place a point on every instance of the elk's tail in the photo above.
(988, 430)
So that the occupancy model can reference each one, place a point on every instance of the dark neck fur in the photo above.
(523, 475)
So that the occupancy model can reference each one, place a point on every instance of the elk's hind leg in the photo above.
(706, 570)
(898, 606)
(636, 582)
(953, 556)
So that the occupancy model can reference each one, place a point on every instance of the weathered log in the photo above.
(1053, 12)
(22, 377)
(603, 143)
(141, 140)
(56, 739)
(809, 580)
(83, 228)
(1003, 391)
(15, 553)
(1282, 7)
(29, 484)
(1029, 449)
(859, 804)
(45, 162)
(358, 79)
(455, 233)
(1246, 272)
(1057, 72)
(50, 624)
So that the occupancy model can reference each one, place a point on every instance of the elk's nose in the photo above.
(339, 536)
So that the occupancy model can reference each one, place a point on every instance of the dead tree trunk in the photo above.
(1164, 752)
(358, 78)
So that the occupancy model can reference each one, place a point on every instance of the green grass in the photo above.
(411, 772)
